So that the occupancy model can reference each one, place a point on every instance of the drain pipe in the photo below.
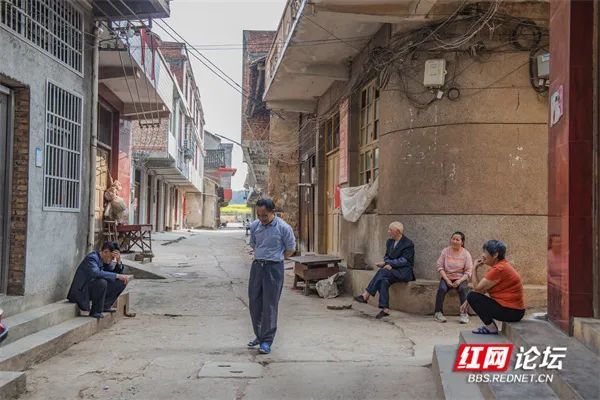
(93, 139)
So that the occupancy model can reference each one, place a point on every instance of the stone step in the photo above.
(516, 390)
(29, 322)
(12, 384)
(587, 331)
(451, 385)
(44, 344)
(578, 378)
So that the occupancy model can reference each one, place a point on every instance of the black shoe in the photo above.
(97, 315)
(360, 299)
(382, 314)
(110, 310)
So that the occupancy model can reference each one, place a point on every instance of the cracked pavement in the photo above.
(199, 314)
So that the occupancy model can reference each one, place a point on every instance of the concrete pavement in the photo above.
(197, 319)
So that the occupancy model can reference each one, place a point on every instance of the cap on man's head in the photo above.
(110, 246)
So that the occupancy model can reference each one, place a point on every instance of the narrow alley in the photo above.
(198, 316)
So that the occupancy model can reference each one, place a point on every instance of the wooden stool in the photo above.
(109, 231)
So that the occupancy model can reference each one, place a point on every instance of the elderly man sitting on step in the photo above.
(397, 266)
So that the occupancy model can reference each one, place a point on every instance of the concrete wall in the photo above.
(51, 259)
(477, 164)
(210, 205)
(195, 205)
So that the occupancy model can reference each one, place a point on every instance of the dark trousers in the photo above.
(463, 291)
(489, 309)
(381, 283)
(103, 292)
(264, 291)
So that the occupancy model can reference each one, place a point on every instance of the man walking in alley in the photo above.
(272, 240)
(99, 278)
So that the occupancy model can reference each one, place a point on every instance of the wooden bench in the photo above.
(314, 268)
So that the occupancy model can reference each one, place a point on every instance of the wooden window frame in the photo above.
(332, 133)
(369, 131)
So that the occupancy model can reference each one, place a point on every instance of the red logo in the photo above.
(483, 357)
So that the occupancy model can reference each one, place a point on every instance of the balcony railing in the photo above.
(182, 164)
(286, 26)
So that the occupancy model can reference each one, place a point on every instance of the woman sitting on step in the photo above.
(455, 267)
(504, 286)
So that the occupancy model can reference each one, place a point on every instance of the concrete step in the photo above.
(587, 331)
(29, 322)
(516, 390)
(451, 385)
(44, 344)
(578, 378)
(12, 384)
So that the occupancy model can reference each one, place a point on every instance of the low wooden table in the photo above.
(314, 268)
(139, 235)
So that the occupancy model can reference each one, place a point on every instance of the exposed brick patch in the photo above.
(19, 196)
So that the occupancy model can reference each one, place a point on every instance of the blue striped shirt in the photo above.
(270, 241)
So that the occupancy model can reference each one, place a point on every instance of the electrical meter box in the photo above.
(435, 73)
(543, 65)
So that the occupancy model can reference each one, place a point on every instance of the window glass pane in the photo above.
(363, 101)
(376, 130)
(368, 160)
(376, 158)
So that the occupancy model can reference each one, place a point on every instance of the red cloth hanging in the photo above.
(337, 202)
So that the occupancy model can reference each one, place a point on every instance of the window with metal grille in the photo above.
(54, 26)
(62, 167)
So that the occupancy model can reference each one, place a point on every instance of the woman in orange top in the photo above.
(504, 286)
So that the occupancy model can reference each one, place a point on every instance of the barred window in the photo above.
(54, 26)
(62, 172)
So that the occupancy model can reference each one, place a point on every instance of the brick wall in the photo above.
(152, 139)
(255, 128)
(173, 55)
(19, 195)
(284, 172)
